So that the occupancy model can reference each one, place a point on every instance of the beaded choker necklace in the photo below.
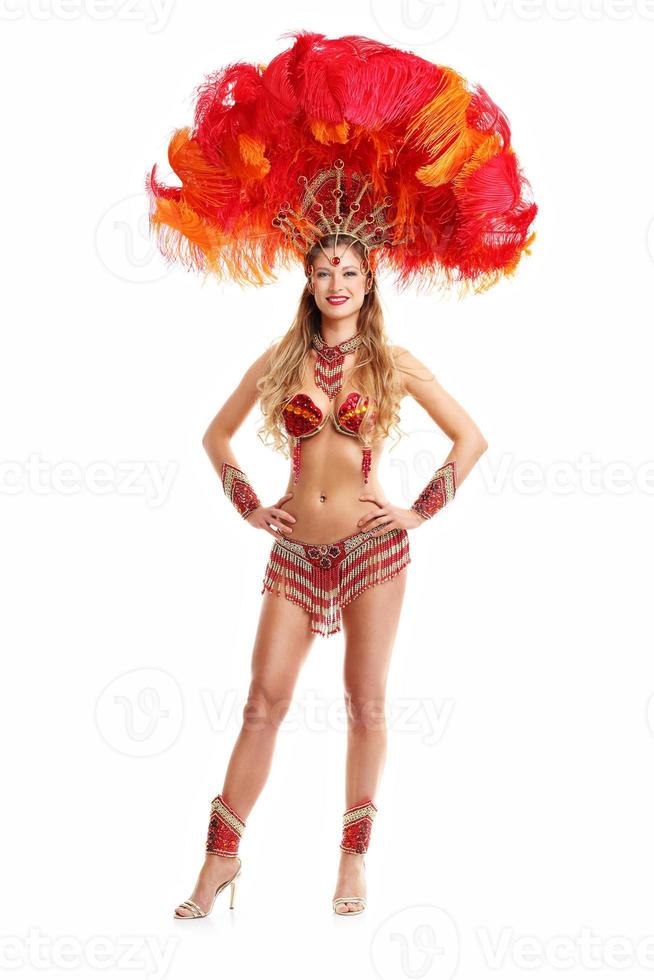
(328, 371)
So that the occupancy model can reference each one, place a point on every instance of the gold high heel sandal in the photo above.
(196, 911)
(223, 837)
(357, 824)
(351, 898)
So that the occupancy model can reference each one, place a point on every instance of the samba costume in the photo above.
(352, 137)
(324, 577)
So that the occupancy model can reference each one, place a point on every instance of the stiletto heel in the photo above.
(196, 911)
(357, 824)
(224, 836)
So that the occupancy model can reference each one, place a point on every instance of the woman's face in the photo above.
(344, 280)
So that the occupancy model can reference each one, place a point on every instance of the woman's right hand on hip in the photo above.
(275, 520)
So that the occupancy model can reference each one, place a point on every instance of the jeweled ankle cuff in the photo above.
(357, 825)
(438, 492)
(225, 829)
(238, 489)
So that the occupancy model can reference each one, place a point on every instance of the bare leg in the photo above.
(370, 624)
(281, 645)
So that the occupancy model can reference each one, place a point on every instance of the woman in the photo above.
(334, 500)
(426, 177)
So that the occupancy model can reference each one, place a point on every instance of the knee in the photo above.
(365, 709)
(265, 707)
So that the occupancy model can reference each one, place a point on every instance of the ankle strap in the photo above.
(225, 828)
(357, 825)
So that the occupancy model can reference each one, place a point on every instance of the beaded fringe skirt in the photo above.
(322, 578)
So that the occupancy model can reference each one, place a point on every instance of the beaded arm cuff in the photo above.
(238, 489)
(438, 492)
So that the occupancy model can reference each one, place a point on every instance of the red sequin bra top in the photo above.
(303, 418)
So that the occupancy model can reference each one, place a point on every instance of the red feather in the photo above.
(437, 145)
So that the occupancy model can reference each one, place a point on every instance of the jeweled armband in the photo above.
(238, 489)
(438, 492)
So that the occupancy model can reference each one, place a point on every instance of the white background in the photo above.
(516, 804)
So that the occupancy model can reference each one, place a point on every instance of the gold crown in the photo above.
(327, 187)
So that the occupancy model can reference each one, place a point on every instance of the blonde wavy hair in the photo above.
(374, 365)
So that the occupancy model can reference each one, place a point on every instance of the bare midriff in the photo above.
(325, 499)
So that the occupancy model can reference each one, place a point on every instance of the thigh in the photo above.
(370, 623)
(281, 645)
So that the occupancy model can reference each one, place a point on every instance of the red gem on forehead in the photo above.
(336, 260)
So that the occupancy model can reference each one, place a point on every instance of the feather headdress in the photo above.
(445, 200)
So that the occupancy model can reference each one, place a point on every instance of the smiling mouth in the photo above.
(336, 299)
